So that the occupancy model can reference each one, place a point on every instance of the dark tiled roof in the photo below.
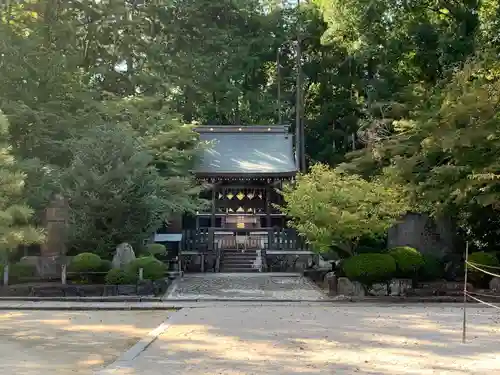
(255, 150)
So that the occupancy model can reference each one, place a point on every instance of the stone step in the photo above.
(237, 265)
(239, 270)
(232, 252)
(237, 260)
(239, 257)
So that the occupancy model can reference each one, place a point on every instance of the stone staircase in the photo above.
(237, 260)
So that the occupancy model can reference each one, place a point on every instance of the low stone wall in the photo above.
(145, 288)
(288, 262)
(192, 262)
(342, 286)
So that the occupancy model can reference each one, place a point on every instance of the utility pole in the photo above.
(278, 79)
(298, 98)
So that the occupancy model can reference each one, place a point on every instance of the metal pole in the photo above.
(298, 98)
(278, 79)
(303, 146)
(464, 328)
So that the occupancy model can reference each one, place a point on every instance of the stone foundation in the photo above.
(145, 288)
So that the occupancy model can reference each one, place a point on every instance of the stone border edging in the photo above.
(126, 358)
(394, 299)
(84, 299)
(193, 303)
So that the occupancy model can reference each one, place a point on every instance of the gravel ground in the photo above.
(65, 343)
(313, 340)
(245, 286)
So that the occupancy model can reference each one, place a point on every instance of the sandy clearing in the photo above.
(341, 340)
(64, 343)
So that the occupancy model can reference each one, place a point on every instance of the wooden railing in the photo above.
(209, 239)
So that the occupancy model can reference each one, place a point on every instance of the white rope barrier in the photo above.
(480, 269)
(483, 302)
(484, 295)
(485, 266)
(470, 294)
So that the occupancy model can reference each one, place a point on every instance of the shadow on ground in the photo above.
(348, 339)
(53, 342)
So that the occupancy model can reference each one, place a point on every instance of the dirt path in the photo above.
(65, 343)
(341, 340)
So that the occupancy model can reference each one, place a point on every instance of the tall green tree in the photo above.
(15, 228)
(334, 210)
(115, 192)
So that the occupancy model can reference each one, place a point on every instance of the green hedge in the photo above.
(484, 261)
(105, 266)
(432, 269)
(85, 262)
(153, 269)
(156, 249)
(120, 277)
(19, 272)
(369, 269)
(408, 261)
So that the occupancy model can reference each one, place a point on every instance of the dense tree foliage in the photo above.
(116, 193)
(334, 210)
(410, 85)
(15, 228)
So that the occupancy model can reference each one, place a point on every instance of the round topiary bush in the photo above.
(369, 269)
(153, 269)
(408, 261)
(85, 262)
(484, 261)
(120, 277)
(21, 272)
(432, 269)
(156, 249)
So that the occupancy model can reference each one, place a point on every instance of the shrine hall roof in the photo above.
(246, 150)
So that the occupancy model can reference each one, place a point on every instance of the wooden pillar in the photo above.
(212, 219)
(268, 206)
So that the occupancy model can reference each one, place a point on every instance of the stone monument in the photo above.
(124, 254)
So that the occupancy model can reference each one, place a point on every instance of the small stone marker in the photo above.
(63, 274)
(347, 287)
(124, 255)
(330, 282)
(6, 275)
(495, 284)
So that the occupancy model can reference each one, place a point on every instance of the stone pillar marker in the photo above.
(53, 250)
(6, 275)
(56, 225)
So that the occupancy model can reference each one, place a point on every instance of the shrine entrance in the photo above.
(244, 169)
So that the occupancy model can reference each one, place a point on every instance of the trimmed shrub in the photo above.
(432, 269)
(156, 249)
(85, 262)
(408, 261)
(120, 277)
(484, 261)
(105, 266)
(153, 269)
(21, 272)
(369, 269)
